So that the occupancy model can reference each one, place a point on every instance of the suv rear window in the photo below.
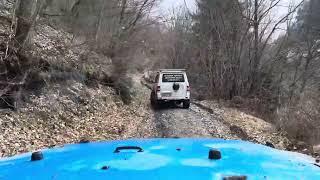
(172, 78)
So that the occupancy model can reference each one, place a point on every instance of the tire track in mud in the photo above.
(171, 121)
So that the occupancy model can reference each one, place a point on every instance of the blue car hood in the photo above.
(160, 159)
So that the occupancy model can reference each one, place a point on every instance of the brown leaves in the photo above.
(57, 118)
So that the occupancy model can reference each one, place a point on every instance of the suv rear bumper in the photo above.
(187, 97)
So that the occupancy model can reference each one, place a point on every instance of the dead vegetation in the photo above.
(254, 129)
(69, 114)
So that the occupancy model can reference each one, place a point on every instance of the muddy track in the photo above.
(173, 121)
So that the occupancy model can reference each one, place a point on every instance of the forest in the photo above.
(235, 51)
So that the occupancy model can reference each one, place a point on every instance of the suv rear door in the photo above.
(168, 79)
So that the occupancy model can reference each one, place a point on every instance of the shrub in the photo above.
(300, 118)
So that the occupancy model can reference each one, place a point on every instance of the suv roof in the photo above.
(172, 70)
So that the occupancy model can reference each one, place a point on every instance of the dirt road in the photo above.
(173, 121)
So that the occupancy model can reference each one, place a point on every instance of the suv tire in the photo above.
(186, 104)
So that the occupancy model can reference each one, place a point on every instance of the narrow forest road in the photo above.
(173, 121)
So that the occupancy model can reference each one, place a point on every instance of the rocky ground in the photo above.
(174, 121)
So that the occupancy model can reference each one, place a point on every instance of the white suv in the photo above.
(171, 85)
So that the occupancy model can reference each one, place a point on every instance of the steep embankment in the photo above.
(73, 113)
(71, 99)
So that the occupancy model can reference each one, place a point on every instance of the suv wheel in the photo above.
(186, 104)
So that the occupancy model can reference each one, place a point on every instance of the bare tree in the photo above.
(27, 13)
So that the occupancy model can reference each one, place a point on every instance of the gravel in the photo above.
(173, 121)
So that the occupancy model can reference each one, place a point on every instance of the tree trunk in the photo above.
(305, 72)
(27, 14)
(256, 48)
(123, 9)
(99, 23)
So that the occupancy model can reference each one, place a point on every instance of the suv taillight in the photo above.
(188, 88)
(158, 88)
